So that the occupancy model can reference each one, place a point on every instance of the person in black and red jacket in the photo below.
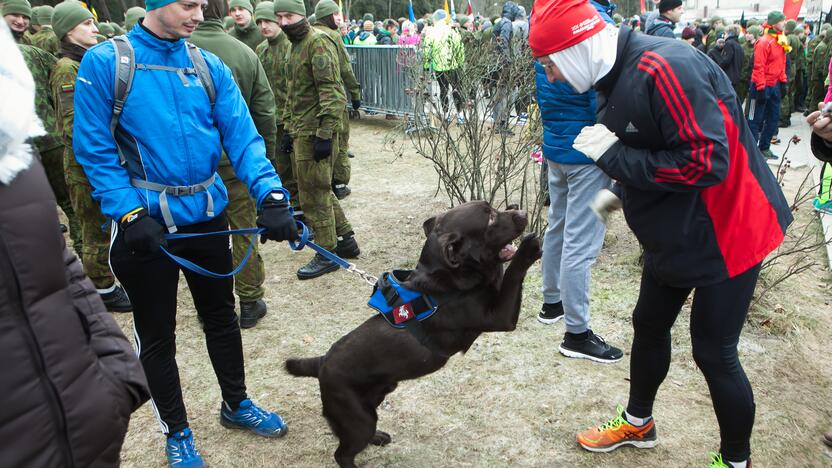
(696, 192)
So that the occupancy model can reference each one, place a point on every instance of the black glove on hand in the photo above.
(286, 143)
(277, 220)
(356, 104)
(323, 148)
(143, 233)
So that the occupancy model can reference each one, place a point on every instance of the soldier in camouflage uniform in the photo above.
(811, 83)
(45, 37)
(787, 104)
(242, 210)
(329, 19)
(18, 15)
(714, 33)
(753, 33)
(245, 30)
(820, 70)
(315, 102)
(75, 26)
(272, 54)
(799, 88)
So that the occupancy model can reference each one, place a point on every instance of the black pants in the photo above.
(716, 320)
(151, 281)
(448, 79)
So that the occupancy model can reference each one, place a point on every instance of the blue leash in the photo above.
(299, 244)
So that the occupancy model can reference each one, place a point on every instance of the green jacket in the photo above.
(347, 74)
(442, 49)
(272, 55)
(46, 40)
(748, 63)
(63, 92)
(820, 60)
(250, 35)
(794, 56)
(315, 98)
(40, 64)
(248, 73)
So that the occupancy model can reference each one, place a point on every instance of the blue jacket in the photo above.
(564, 112)
(169, 128)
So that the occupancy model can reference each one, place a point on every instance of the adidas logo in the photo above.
(630, 128)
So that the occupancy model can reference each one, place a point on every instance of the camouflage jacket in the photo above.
(748, 62)
(347, 75)
(820, 60)
(40, 64)
(46, 40)
(315, 99)
(272, 54)
(63, 92)
(794, 56)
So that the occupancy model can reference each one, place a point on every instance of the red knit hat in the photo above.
(559, 24)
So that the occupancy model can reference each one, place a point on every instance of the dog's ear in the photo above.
(428, 225)
(450, 245)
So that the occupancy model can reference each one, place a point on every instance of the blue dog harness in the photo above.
(401, 307)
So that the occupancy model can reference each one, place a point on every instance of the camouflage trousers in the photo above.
(816, 93)
(342, 169)
(94, 228)
(786, 106)
(283, 166)
(742, 92)
(53, 164)
(242, 213)
(320, 207)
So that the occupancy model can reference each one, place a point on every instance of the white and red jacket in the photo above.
(697, 192)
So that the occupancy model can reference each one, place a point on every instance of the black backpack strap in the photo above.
(125, 68)
(202, 72)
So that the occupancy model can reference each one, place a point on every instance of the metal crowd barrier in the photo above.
(383, 74)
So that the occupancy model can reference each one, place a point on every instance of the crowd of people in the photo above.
(145, 136)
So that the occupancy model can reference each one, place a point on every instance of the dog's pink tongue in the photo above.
(507, 252)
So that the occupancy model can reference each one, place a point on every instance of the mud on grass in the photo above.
(512, 400)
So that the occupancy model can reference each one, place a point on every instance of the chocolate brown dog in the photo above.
(461, 268)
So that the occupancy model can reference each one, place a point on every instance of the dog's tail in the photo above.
(307, 367)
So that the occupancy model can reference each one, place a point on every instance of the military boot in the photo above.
(252, 312)
(341, 191)
(318, 266)
(117, 300)
(347, 246)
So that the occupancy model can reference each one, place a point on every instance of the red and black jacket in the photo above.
(697, 193)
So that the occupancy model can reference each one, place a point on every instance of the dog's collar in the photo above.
(401, 307)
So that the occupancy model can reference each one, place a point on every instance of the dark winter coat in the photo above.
(662, 27)
(70, 378)
(504, 30)
(730, 58)
(697, 192)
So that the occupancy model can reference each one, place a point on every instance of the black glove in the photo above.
(277, 220)
(143, 233)
(356, 104)
(286, 143)
(323, 148)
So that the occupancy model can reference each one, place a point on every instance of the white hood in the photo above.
(585, 63)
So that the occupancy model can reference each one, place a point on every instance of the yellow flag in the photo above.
(448, 11)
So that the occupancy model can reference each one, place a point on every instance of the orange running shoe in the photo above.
(617, 432)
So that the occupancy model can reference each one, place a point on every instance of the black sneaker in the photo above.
(252, 312)
(117, 300)
(591, 347)
(550, 313)
(350, 154)
(347, 246)
(341, 191)
(318, 266)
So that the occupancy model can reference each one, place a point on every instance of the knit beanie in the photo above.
(290, 6)
(755, 31)
(44, 15)
(368, 26)
(117, 30)
(264, 11)
(17, 7)
(242, 4)
(67, 15)
(559, 24)
(33, 21)
(688, 33)
(132, 16)
(775, 17)
(154, 4)
(799, 30)
(790, 25)
(714, 19)
(665, 5)
(325, 8)
(368, 17)
(106, 29)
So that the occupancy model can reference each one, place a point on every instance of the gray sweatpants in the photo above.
(573, 239)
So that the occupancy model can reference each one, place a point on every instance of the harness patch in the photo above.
(401, 307)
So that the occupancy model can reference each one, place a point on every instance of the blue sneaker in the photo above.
(182, 452)
(255, 419)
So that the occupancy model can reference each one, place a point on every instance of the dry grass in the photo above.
(512, 400)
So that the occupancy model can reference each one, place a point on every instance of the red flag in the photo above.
(470, 9)
(644, 9)
(791, 8)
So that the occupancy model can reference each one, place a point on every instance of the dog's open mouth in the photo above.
(507, 252)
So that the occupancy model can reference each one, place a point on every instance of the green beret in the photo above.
(290, 6)
(67, 15)
(264, 11)
(17, 7)
(325, 8)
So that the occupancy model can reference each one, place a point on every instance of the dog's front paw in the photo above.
(381, 438)
(530, 249)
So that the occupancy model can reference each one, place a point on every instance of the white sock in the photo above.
(636, 421)
(742, 464)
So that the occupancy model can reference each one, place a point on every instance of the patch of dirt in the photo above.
(512, 400)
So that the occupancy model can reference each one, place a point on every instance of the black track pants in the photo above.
(152, 281)
(716, 320)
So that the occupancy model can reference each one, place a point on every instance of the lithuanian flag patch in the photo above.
(67, 88)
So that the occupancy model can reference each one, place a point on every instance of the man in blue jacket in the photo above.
(155, 165)
(574, 235)
(670, 12)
